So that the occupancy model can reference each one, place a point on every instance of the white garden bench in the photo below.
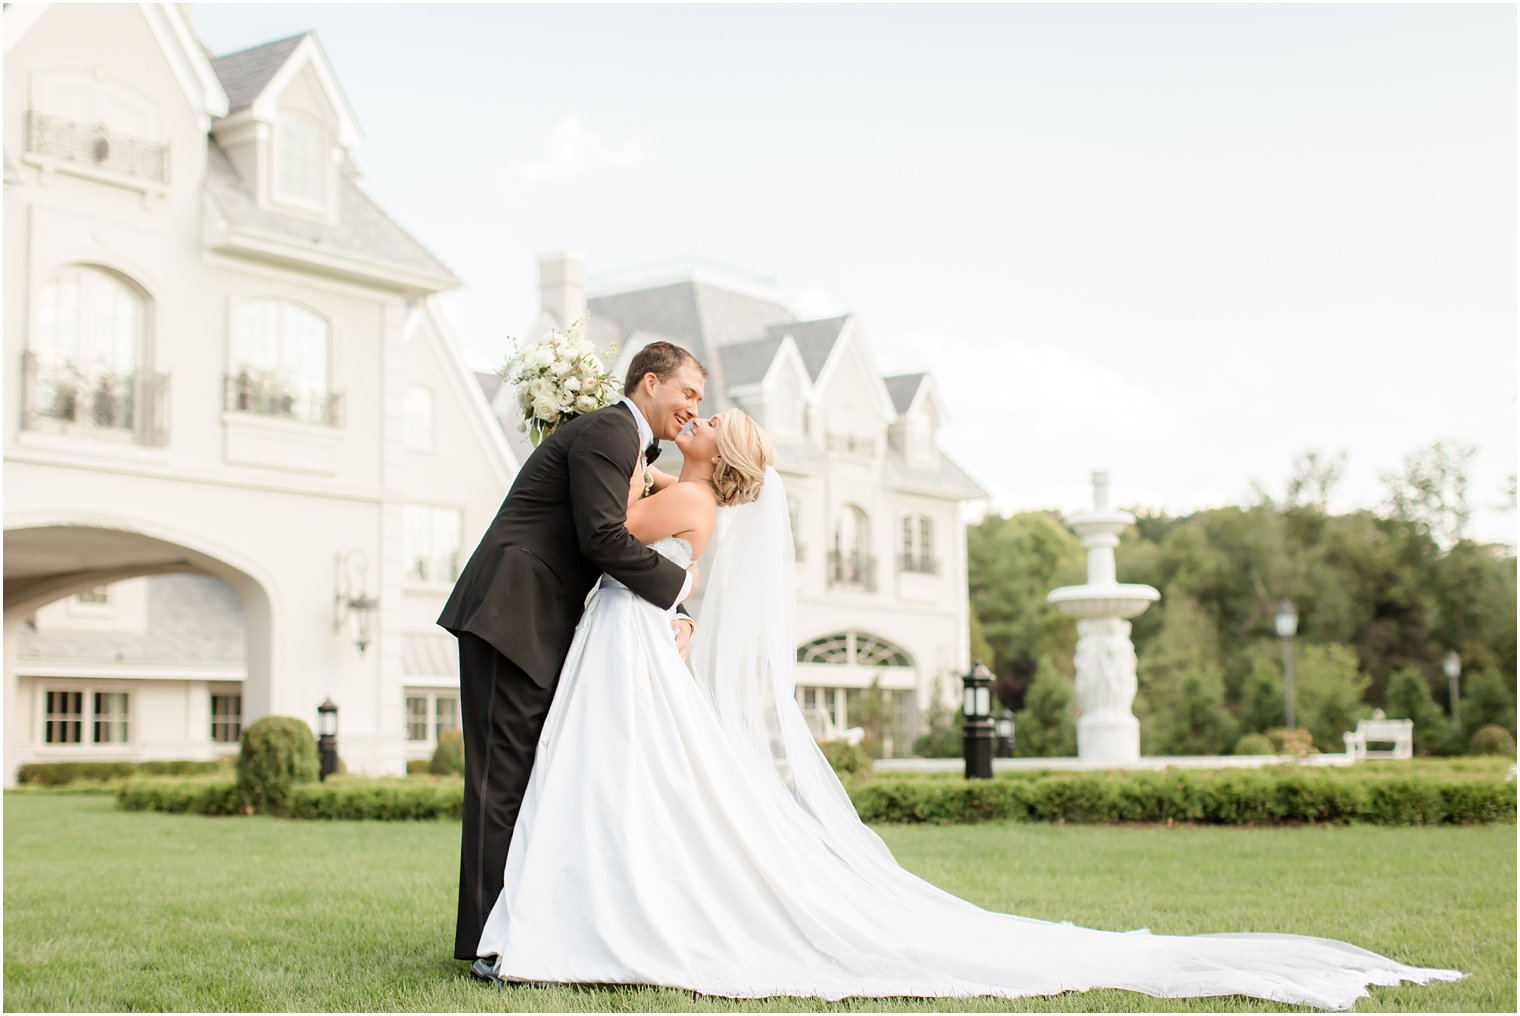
(1381, 730)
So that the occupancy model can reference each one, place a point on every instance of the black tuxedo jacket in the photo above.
(564, 522)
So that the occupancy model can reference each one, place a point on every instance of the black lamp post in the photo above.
(1287, 627)
(977, 731)
(327, 737)
(1005, 733)
(1451, 663)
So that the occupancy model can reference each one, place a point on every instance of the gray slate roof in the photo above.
(815, 340)
(191, 619)
(747, 363)
(363, 229)
(697, 315)
(245, 74)
(903, 388)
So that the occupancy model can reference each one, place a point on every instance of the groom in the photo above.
(520, 596)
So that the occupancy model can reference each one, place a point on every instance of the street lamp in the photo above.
(977, 731)
(1005, 733)
(327, 737)
(1287, 627)
(1452, 664)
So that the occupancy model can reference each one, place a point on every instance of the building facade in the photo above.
(876, 505)
(227, 387)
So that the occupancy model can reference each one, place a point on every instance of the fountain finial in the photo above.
(1100, 489)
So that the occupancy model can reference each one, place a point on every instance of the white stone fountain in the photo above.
(1107, 731)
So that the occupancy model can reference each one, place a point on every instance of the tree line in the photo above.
(1382, 595)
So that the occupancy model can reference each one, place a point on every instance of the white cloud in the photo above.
(573, 149)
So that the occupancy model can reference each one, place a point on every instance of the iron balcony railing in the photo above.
(74, 397)
(92, 144)
(917, 563)
(249, 394)
(852, 571)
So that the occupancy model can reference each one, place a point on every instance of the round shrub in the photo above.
(448, 757)
(1492, 739)
(1297, 741)
(1255, 744)
(277, 753)
(846, 758)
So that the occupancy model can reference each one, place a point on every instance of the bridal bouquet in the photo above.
(558, 379)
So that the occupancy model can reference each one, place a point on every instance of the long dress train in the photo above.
(648, 851)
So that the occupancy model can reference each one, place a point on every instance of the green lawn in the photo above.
(106, 910)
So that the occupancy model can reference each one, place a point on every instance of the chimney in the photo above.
(562, 287)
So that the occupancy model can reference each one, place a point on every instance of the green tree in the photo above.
(1013, 562)
(1181, 700)
(1430, 492)
(1409, 698)
(1486, 699)
(871, 709)
(1261, 695)
(1327, 691)
(1045, 727)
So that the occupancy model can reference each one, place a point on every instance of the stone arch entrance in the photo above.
(49, 558)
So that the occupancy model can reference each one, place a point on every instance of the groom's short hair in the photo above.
(661, 359)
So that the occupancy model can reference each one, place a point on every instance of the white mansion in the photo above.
(244, 458)
(876, 506)
(226, 392)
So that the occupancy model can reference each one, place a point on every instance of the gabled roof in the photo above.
(246, 73)
(815, 339)
(697, 315)
(254, 79)
(747, 363)
(903, 388)
(362, 231)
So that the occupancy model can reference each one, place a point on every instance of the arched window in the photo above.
(280, 362)
(418, 409)
(298, 161)
(852, 648)
(85, 350)
(918, 545)
(850, 562)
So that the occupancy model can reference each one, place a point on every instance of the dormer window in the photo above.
(298, 177)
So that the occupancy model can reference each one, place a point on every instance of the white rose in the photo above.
(585, 403)
(572, 384)
(561, 367)
(546, 408)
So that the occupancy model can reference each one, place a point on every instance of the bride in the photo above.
(682, 829)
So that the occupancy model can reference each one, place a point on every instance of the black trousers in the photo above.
(501, 712)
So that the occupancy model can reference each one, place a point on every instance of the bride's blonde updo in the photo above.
(743, 453)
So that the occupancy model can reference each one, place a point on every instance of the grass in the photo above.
(108, 910)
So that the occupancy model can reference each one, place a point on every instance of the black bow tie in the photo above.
(652, 452)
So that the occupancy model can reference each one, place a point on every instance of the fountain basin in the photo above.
(1091, 602)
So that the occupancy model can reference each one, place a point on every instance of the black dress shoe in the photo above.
(484, 969)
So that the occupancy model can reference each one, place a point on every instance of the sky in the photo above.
(1181, 243)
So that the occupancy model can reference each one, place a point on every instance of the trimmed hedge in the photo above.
(1231, 797)
(394, 800)
(205, 796)
(1492, 739)
(846, 759)
(337, 798)
(61, 774)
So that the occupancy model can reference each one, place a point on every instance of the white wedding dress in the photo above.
(683, 832)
